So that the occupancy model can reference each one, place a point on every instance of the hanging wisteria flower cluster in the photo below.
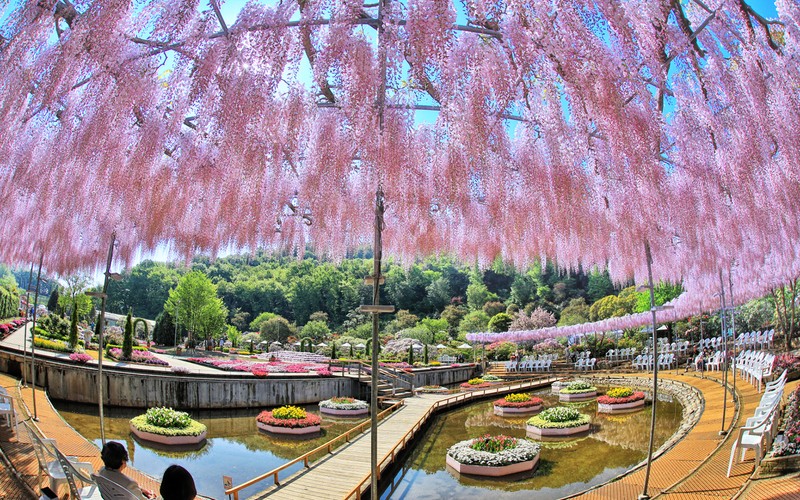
(577, 131)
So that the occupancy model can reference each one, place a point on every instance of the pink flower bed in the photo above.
(467, 385)
(265, 417)
(80, 357)
(605, 400)
(138, 356)
(262, 369)
(522, 404)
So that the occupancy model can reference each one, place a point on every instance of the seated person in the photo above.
(699, 362)
(177, 484)
(115, 458)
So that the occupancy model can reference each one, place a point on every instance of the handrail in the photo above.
(304, 458)
(356, 492)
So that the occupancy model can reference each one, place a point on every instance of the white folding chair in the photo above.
(111, 490)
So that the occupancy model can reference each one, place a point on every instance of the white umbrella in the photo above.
(296, 343)
(360, 346)
(440, 346)
(322, 344)
(465, 346)
(276, 343)
(346, 344)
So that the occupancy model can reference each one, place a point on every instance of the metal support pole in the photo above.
(33, 338)
(644, 495)
(25, 337)
(376, 276)
(102, 324)
(733, 335)
(724, 355)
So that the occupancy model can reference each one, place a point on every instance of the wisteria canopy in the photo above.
(575, 131)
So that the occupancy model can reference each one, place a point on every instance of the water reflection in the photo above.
(566, 466)
(234, 447)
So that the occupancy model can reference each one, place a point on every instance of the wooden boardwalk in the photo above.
(336, 475)
(19, 450)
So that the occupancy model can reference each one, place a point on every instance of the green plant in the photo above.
(493, 444)
(194, 428)
(475, 381)
(127, 341)
(560, 417)
(167, 418)
(410, 360)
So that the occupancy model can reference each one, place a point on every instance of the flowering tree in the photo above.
(561, 131)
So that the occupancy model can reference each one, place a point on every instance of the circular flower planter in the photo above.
(558, 422)
(289, 420)
(344, 407)
(168, 440)
(289, 430)
(579, 396)
(168, 427)
(468, 457)
(433, 389)
(620, 400)
(577, 391)
(516, 404)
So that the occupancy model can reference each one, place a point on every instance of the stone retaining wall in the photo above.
(137, 388)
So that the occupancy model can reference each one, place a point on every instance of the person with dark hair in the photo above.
(115, 459)
(177, 484)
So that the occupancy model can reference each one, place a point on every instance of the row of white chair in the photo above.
(621, 354)
(586, 364)
(529, 365)
(756, 340)
(759, 430)
(645, 361)
(754, 366)
(709, 343)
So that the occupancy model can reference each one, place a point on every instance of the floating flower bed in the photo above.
(515, 404)
(577, 391)
(263, 369)
(432, 389)
(493, 456)
(348, 407)
(288, 420)
(620, 400)
(557, 422)
(475, 384)
(492, 379)
(167, 426)
(785, 455)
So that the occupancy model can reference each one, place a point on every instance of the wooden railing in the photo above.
(442, 403)
(305, 458)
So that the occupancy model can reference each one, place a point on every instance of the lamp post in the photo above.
(724, 355)
(175, 317)
(733, 335)
(101, 327)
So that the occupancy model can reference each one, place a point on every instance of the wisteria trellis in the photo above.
(668, 122)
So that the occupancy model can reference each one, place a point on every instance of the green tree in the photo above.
(453, 314)
(478, 295)
(663, 293)
(402, 320)
(74, 296)
(234, 335)
(73, 329)
(240, 319)
(575, 313)
(164, 331)
(127, 339)
(52, 302)
(500, 322)
(475, 321)
(315, 330)
(493, 307)
(276, 329)
(262, 318)
(195, 304)
(599, 286)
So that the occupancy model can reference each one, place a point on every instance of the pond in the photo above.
(566, 466)
(235, 447)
